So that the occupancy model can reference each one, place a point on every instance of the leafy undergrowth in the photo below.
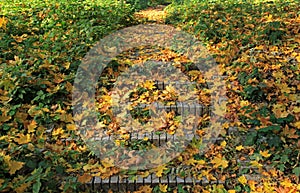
(256, 44)
(41, 45)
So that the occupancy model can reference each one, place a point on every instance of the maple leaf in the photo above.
(22, 187)
(107, 163)
(144, 189)
(265, 153)
(256, 164)
(286, 183)
(13, 165)
(239, 148)
(3, 22)
(22, 139)
(242, 179)
(71, 127)
(85, 178)
(150, 85)
(223, 144)
(163, 187)
(280, 111)
(58, 131)
(297, 124)
(219, 161)
(1, 182)
(31, 127)
(160, 170)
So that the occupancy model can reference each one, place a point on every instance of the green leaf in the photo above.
(270, 128)
(36, 186)
(250, 138)
(296, 171)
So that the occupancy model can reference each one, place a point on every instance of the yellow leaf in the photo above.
(85, 178)
(30, 147)
(219, 161)
(14, 166)
(71, 127)
(163, 188)
(160, 170)
(239, 148)
(284, 88)
(265, 153)
(107, 163)
(22, 187)
(22, 139)
(270, 18)
(286, 183)
(223, 143)
(4, 118)
(244, 103)
(219, 109)
(296, 110)
(242, 180)
(298, 58)
(231, 191)
(256, 164)
(33, 111)
(67, 65)
(149, 85)
(280, 111)
(3, 22)
(145, 174)
(252, 184)
(1, 182)
(145, 138)
(261, 47)
(297, 124)
(31, 127)
(58, 131)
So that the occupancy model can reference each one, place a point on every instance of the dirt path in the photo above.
(152, 14)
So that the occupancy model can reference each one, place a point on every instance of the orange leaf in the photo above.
(85, 178)
(144, 189)
(265, 153)
(31, 126)
(3, 22)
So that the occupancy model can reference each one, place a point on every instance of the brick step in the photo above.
(180, 108)
(119, 184)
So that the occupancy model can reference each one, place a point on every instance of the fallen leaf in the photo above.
(219, 161)
(22, 139)
(265, 153)
(85, 178)
(239, 148)
(31, 127)
(163, 188)
(242, 179)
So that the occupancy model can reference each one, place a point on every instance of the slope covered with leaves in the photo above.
(256, 44)
(42, 43)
